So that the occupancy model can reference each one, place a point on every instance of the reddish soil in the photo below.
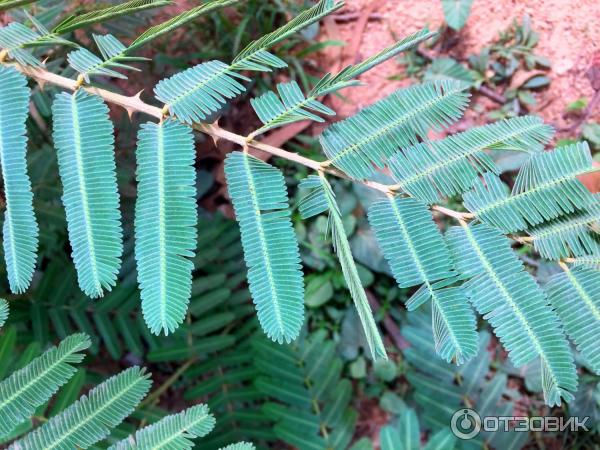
(569, 35)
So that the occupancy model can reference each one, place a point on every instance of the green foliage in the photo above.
(94, 416)
(178, 21)
(516, 307)
(8, 4)
(3, 311)
(173, 432)
(546, 188)
(28, 388)
(298, 392)
(113, 52)
(294, 106)
(322, 199)
(456, 12)
(165, 222)
(196, 93)
(102, 15)
(83, 135)
(310, 402)
(406, 435)
(369, 138)
(259, 196)
(436, 169)
(418, 256)
(20, 231)
(448, 68)
(91, 418)
(575, 296)
(571, 235)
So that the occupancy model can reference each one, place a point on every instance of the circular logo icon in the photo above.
(465, 423)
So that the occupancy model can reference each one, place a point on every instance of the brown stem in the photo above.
(136, 104)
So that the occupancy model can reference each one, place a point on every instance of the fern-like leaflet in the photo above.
(516, 307)
(165, 222)
(436, 169)
(113, 53)
(322, 199)
(200, 91)
(30, 387)
(102, 15)
(546, 187)
(172, 432)
(90, 418)
(575, 294)
(83, 136)
(3, 311)
(294, 106)
(416, 252)
(260, 200)
(571, 235)
(366, 140)
(178, 21)
(20, 230)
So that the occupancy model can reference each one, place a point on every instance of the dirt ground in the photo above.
(569, 35)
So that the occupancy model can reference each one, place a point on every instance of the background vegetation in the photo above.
(325, 388)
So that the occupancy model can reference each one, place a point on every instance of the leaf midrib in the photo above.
(97, 412)
(506, 294)
(263, 244)
(83, 193)
(8, 212)
(442, 164)
(396, 123)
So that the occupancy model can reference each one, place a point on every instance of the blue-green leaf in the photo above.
(83, 136)
(20, 231)
(165, 222)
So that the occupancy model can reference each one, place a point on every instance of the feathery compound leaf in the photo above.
(165, 222)
(292, 107)
(259, 197)
(370, 137)
(178, 21)
(113, 52)
(516, 307)
(255, 56)
(456, 12)
(77, 21)
(8, 4)
(83, 136)
(415, 250)
(576, 297)
(20, 231)
(410, 241)
(240, 446)
(588, 261)
(13, 37)
(435, 169)
(321, 199)
(347, 77)
(91, 418)
(573, 235)
(546, 187)
(174, 432)
(196, 93)
(3, 312)
(33, 385)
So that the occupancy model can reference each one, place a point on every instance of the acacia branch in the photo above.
(133, 104)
